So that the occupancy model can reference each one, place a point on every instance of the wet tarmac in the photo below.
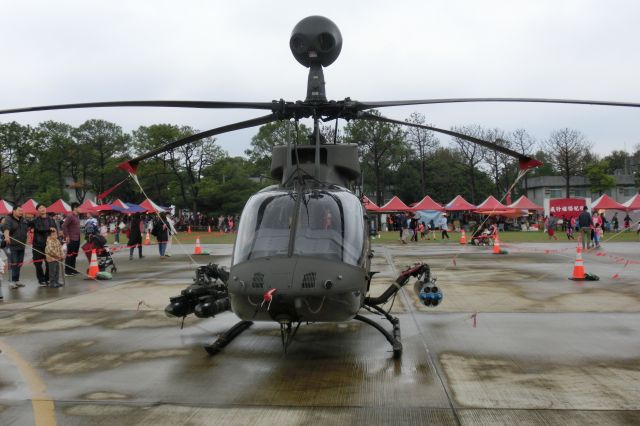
(514, 342)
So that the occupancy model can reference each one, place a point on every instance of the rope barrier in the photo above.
(135, 179)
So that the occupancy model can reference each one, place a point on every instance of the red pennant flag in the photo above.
(128, 167)
(110, 190)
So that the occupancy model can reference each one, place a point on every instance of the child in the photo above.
(432, 230)
(597, 235)
(570, 227)
(54, 254)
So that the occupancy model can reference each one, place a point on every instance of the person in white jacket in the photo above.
(172, 232)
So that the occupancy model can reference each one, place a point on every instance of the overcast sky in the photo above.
(85, 51)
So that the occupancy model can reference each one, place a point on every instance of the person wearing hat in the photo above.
(444, 226)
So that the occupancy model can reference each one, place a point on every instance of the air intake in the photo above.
(258, 280)
(309, 280)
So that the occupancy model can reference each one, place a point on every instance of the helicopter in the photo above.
(303, 251)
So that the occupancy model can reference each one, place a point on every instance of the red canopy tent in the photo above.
(87, 206)
(427, 203)
(395, 205)
(512, 213)
(369, 205)
(119, 204)
(490, 204)
(102, 208)
(59, 207)
(29, 207)
(459, 204)
(633, 203)
(525, 204)
(607, 203)
(5, 208)
(152, 207)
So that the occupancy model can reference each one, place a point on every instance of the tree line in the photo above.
(47, 160)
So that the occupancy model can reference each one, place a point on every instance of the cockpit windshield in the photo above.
(330, 224)
(264, 226)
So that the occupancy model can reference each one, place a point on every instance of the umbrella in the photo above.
(512, 213)
(122, 207)
(119, 205)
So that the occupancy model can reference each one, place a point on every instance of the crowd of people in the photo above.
(56, 240)
(592, 226)
(221, 223)
(412, 227)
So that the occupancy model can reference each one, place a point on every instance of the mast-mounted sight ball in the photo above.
(316, 40)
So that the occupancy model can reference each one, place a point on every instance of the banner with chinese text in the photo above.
(566, 207)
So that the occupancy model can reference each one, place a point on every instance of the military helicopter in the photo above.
(302, 253)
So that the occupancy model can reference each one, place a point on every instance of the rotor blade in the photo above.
(133, 163)
(169, 104)
(362, 106)
(525, 162)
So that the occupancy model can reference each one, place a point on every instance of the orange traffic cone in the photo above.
(496, 245)
(198, 249)
(92, 273)
(463, 238)
(578, 266)
(189, 229)
(209, 229)
(147, 239)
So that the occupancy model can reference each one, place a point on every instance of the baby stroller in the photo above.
(484, 237)
(99, 243)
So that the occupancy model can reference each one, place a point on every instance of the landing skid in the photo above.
(227, 337)
(373, 304)
(287, 332)
(394, 338)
